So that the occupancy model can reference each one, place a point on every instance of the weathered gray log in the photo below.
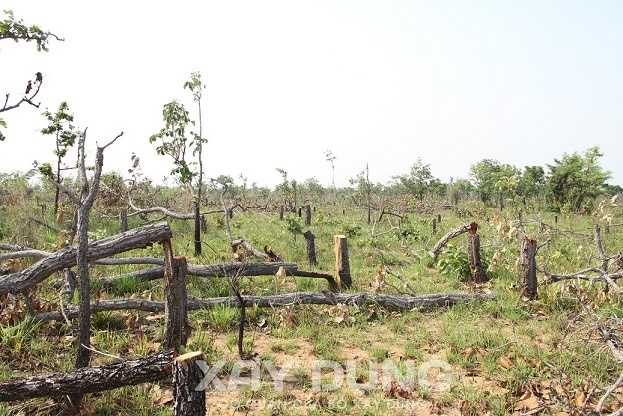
(176, 301)
(187, 376)
(66, 257)
(342, 264)
(212, 270)
(528, 267)
(300, 298)
(121, 373)
(434, 253)
(473, 255)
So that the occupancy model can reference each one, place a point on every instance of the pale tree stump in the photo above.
(342, 264)
(187, 376)
(528, 267)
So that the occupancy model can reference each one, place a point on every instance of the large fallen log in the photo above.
(212, 270)
(220, 270)
(296, 298)
(127, 372)
(66, 257)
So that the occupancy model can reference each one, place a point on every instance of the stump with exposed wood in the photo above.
(528, 267)
(187, 376)
(342, 264)
(176, 302)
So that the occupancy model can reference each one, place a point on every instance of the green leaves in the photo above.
(17, 30)
(576, 179)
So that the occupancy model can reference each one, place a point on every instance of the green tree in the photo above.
(65, 135)
(288, 190)
(418, 182)
(196, 87)
(576, 180)
(458, 189)
(177, 142)
(532, 183)
(18, 31)
(494, 180)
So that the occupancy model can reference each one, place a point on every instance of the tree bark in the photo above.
(187, 375)
(126, 372)
(308, 215)
(176, 303)
(213, 270)
(528, 267)
(301, 298)
(123, 221)
(311, 247)
(473, 251)
(66, 257)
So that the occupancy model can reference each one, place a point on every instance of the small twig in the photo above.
(101, 353)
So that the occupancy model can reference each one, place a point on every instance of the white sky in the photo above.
(377, 82)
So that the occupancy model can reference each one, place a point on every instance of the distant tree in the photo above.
(288, 190)
(612, 190)
(196, 87)
(458, 189)
(313, 187)
(65, 135)
(576, 180)
(494, 180)
(531, 183)
(177, 142)
(329, 157)
(18, 31)
(418, 182)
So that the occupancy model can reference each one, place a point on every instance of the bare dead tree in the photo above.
(88, 193)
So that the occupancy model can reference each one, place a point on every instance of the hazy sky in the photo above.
(376, 82)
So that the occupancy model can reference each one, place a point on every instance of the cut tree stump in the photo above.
(121, 373)
(176, 302)
(528, 267)
(187, 376)
(473, 254)
(342, 264)
(311, 247)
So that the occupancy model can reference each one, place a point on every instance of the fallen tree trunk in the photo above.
(213, 270)
(127, 372)
(66, 257)
(296, 298)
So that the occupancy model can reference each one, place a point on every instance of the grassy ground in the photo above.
(504, 357)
